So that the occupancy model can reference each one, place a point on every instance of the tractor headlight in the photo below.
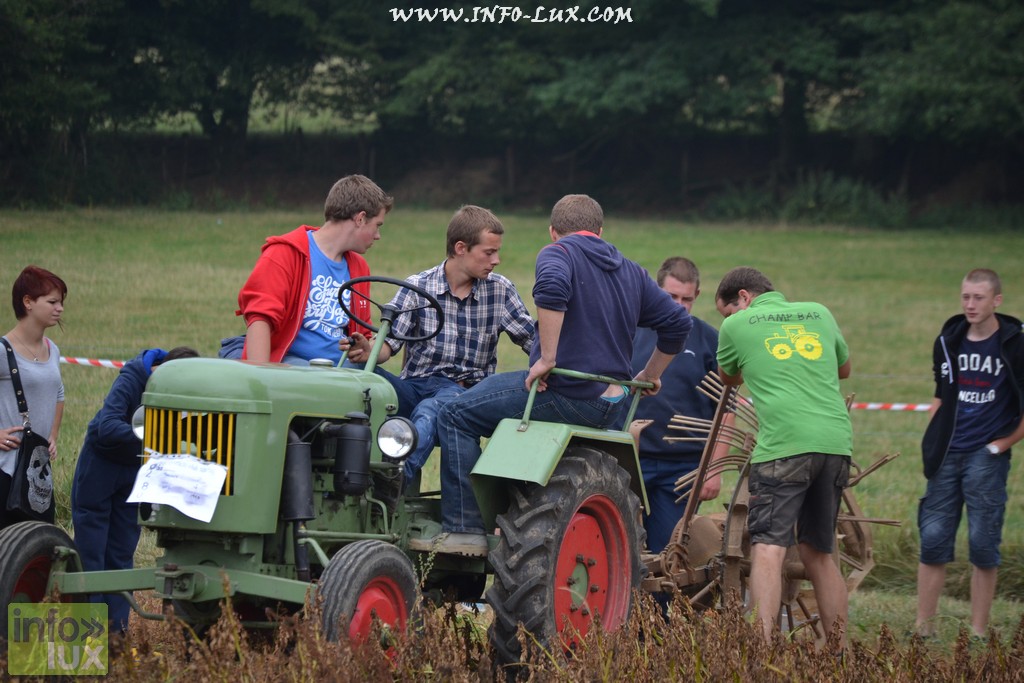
(139, 422)
(396, 438)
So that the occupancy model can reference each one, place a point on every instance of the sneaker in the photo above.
(924, 636)
(452, 543)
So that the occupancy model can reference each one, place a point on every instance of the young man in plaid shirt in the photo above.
(478, 306)
(590, 298)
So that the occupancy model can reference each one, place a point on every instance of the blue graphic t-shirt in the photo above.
(323, 323)
(984, 407)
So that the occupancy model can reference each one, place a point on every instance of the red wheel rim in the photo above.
(593, 574)
(381, 598)
(31, 584)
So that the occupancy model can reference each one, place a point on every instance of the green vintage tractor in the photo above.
(313, 507)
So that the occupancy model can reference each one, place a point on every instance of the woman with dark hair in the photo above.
(38, 301)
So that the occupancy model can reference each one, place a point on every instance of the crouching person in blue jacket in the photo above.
(106, 526)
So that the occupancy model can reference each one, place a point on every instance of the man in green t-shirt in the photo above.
(791, 356)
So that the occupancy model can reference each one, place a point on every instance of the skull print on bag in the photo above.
(40, 479)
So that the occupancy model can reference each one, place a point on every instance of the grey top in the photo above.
(44, 389)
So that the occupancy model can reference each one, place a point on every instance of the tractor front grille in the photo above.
(210, 436)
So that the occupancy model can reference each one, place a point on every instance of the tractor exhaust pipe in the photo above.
(297, 482)
(297, 497)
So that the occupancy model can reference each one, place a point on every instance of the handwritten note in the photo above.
(187, 483)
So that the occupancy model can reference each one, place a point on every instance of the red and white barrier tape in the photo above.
(905, 407)
(899, 407)
(94, 362)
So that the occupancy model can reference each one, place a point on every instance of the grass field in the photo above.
(139, 279)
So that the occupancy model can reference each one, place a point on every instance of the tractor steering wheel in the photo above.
(389, 312)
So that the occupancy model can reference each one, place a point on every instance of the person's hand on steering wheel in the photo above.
(358, 347)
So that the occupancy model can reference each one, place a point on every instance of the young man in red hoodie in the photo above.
(290, 301)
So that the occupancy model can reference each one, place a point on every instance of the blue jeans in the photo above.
(475, 414)
(660, 476)
(105, 525)
(977, 479)
(420, 399)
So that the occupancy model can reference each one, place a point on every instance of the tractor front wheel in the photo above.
(569, 554)
(363, 581)
(27, 553)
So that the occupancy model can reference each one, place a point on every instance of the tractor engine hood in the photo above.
(247, 387)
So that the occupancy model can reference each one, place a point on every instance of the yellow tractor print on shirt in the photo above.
(796, 339)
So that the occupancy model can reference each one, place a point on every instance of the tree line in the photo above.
(922, 71)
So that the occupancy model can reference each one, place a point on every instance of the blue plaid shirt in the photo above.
(466, 349)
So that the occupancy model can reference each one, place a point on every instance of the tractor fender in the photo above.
(520, 455)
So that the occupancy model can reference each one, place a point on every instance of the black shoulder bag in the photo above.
(31, 493)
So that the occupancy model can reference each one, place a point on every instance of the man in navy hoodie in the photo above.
(106, 526)
(590, 299)
(664, 462)
(977, 415)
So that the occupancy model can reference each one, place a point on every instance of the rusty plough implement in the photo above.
(707, 558)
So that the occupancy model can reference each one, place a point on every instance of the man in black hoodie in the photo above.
(976, 417)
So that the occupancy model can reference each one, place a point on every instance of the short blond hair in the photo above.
(576, 212)
(681, 268)
(985, 275)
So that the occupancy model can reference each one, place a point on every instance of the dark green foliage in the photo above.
(822, 198)
(47, 85)
(210, 59)
(912, 71)
(951, 68)
(817, 198)
(473, 88)
(746, 203)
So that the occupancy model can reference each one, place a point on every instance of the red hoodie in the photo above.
(278, 287)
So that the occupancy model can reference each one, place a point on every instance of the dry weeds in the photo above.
(449, 644)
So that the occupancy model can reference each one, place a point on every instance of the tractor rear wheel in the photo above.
(569, 554)
(363, 581)
(26, 559)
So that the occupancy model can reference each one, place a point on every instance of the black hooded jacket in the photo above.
(939, 433)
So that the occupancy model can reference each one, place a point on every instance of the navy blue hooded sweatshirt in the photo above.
(110, 434)
(678, 395)
(605, 297)
(939, 433)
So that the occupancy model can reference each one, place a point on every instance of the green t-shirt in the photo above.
(789, 355)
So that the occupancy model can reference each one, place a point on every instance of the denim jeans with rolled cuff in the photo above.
(976, 479)
(463, 421)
